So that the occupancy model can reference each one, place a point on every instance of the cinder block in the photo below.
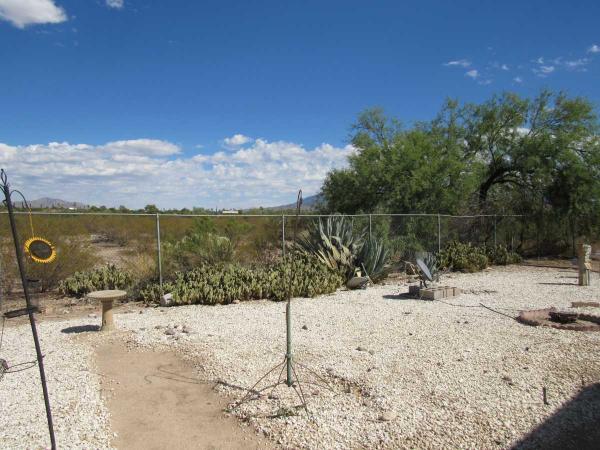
(414, 289)
(438, 292)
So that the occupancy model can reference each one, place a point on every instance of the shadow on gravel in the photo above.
(81, 329)
(574, 426)
(560, 284)
(405, 296)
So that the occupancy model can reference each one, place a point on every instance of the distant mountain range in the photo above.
(47, 202)
(308, 204)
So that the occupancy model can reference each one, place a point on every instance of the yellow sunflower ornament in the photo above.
(40, 250)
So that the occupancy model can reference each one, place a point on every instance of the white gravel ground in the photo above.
(427, 375)
(80, 419)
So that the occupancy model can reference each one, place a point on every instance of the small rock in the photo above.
(235, 302)
(186, 329)
(141, 311)
(92, 316)
(386, 416)
(361, 349)
(304, 327)
(171, 332)
(158, 327)
(166, 300)
(372, 352)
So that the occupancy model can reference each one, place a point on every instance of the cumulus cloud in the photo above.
(594, 49)
(458, 63)
(141, 171)
(236, 140)
(518, 80)
(31, 12)
(472, 74)
(118, 4)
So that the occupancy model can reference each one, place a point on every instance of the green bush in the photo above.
(463, 257)
(107, 277)
(501, 256)
(224, 283)
(469, 258)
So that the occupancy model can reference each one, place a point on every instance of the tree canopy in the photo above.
(537, 156)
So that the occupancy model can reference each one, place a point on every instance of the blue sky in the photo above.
(108, 93)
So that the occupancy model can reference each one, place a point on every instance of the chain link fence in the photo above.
(155, 246)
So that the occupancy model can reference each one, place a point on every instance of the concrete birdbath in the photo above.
(107, 297)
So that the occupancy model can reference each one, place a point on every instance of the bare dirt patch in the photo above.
(156, 401)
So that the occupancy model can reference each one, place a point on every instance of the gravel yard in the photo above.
(405, 373)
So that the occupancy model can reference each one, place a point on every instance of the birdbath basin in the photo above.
(107, 297)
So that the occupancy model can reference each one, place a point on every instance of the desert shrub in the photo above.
(500, 255)
(9, 272)
(463, 257)
(224, 283)
(469, 258)
(197, 247)
(107, 277)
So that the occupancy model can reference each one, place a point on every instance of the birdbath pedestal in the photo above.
(107, 297)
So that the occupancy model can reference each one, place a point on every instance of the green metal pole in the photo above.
(288, 352)
(159, 262)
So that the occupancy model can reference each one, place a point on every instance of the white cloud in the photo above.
(518, 80)
(118, 4)
(547, 69)
(577, 64)
(504, 67)
(458, 63)
(141, 171)
(30, 12)
(237, 140)
(594, 49)
(543, 71)
(472, 74)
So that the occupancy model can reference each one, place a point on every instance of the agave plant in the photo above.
(373, 258)
(337, 245)
(431, 262)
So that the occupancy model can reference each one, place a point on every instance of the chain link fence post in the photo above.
(283, 235)
(159, 262)
(439, 233)
(495, 241)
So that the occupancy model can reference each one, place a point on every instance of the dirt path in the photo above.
(157, 402)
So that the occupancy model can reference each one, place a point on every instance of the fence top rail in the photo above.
(78, 213)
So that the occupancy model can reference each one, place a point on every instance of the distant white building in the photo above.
(230, 211)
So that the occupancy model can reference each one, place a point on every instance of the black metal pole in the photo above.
(30, 310)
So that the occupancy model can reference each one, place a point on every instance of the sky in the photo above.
(234, 104)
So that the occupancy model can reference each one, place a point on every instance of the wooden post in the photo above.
(585, 264)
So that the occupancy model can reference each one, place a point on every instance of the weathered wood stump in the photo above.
(585, 264)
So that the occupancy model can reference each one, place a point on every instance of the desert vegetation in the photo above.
(522, 170)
